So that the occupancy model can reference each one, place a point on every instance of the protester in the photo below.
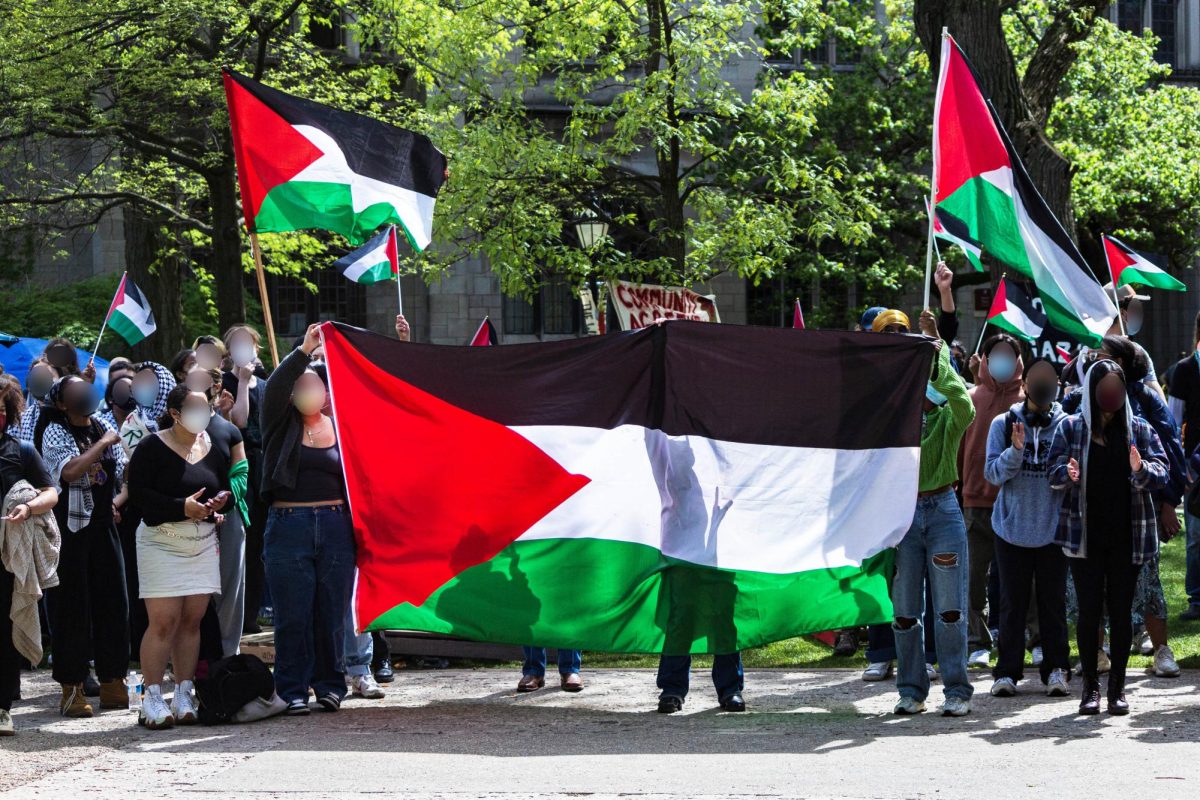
(231, 537)
(1132, 318)
(947, 321)
(1106, 461)
(89, 609)
(210, 352)
(60, 353)
(29, 549)
(674, 674)
(176, 478)
(118, 398)
(997, 389)
(119, 367)
(309, 547)
(533, 671)
(38, 380)
(934, 547)
(151, 384)
(1025, 518)
(182, 364)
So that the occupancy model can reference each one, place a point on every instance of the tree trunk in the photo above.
(976, 26)
(162, 284)
(226, 263)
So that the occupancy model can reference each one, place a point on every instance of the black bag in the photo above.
(231, 683)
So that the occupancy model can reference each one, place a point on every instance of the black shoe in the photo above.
(1091, 698)
(846, 643)
(329, 702)
(1117, 705)
(249, 628)
(669, 704)
(1191, 615)
(91, 688)
(385, 674)
(733, 703)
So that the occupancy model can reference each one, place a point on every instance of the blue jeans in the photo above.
(934, 549)
(309, 558)
(360, 649)
(881, 641)
(1191, 583)
(569, 661)
(675, 671)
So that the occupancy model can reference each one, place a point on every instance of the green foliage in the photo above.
(74, 311)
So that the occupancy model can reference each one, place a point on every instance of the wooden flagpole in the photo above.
(262, 296)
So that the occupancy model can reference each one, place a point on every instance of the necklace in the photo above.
(190, 456)
(311, 434)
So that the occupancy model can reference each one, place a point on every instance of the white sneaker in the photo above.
(909, 705)
(1164, 662)
(956, 707)
(155, 714)
(1146, 646)
(1057, 685)
(877, 671)
(980, 659)
(366, 687)
(1004, 687)
(1037, 656)
(1103, 663)
(183, 707)
(931, 671)
(6, 724)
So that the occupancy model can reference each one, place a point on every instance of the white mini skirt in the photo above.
(177, 559)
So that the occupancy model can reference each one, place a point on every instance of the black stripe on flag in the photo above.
(375, 149)
(827, 389)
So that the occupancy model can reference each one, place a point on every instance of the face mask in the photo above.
(242, 354)
(1133, 325)
(84, 405)
(145, 395)
(1110, 400)
(1002, 367)
(1042, 394)
(39, 386)
(934, 396)
(195, 420)
(309, 402)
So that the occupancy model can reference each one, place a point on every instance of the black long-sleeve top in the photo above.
(160, 480)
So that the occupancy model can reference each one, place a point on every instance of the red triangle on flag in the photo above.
(966, 141)
(393, 250)
(798, 316)
(400, 443)
(1118, 258)
(1000, 301)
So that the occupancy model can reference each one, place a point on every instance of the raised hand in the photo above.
(1018, 435)
(928, 323)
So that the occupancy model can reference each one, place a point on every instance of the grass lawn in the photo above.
(803, 652)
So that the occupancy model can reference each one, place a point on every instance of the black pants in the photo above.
(10, 659)
(1017, 570)
(89, 610)
(1106, 576)
(255, 572)
(138, 619)
(380, 652)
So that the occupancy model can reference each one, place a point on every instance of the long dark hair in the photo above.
(1132, 360)
(175, 400)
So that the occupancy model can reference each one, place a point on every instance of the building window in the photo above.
(1162, 23)
(1131, 16)
(325, 27)
(296, 307)
(554, 310)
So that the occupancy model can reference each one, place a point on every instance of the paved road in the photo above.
(461, 733)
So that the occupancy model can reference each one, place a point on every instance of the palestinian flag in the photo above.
(377, 260)
(485, 335)
(1013, 311)
(130, 314)
(951, 229)
(649, 492)
(1129, 266)
(979, 180)
(305, 165)
(798, 316)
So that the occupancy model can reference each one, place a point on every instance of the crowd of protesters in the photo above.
(164, 517)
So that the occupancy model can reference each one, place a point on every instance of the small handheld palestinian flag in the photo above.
(377, 260)
(486, 335)
(305, 165)
(129, 314)
(950, 228)
(798, 316)
(1013, 311)
(1129, 266)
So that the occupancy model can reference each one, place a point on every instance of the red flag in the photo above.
(485, 336)
(798, 316)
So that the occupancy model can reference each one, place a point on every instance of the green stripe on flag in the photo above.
(991, 219)
(126, 328)
(297, 205)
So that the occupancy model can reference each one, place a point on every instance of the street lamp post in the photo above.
(591, 230)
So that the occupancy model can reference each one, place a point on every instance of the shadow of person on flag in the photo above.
(489, 601)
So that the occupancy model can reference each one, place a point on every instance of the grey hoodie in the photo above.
(1026, 510)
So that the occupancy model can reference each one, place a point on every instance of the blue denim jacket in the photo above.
(1070, 441)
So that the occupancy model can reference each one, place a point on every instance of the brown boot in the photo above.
(114, 694)
(74, 703)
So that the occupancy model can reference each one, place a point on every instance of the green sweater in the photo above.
(944, 426)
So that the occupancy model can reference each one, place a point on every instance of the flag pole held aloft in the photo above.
(933, 172)
(104, 325)
(262, 294)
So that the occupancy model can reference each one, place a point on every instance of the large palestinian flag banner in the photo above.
(684, 488)
(980, 182)
(306, 165)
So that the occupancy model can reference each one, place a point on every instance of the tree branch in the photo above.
(1056, 54)
(123, 197)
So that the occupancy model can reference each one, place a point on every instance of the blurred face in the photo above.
(242, 349)
(189, 364)
(59, 355)
(122, 393)
(208, 356)
(1002, 362)
(78, 398)
(1134, 317)
(39, 380)
(309, 394)
(199, 380)
(1110, 393)
(1041, 385)
(145, 388)
(195, 414)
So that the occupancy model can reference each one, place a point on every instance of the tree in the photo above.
(556, 109)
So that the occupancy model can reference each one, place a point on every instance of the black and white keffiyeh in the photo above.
(59, 446)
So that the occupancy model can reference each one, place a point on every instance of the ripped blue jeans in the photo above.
(934, 549)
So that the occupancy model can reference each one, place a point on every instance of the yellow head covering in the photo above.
(890, 317)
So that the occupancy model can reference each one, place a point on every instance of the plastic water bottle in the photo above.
(133, 684)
